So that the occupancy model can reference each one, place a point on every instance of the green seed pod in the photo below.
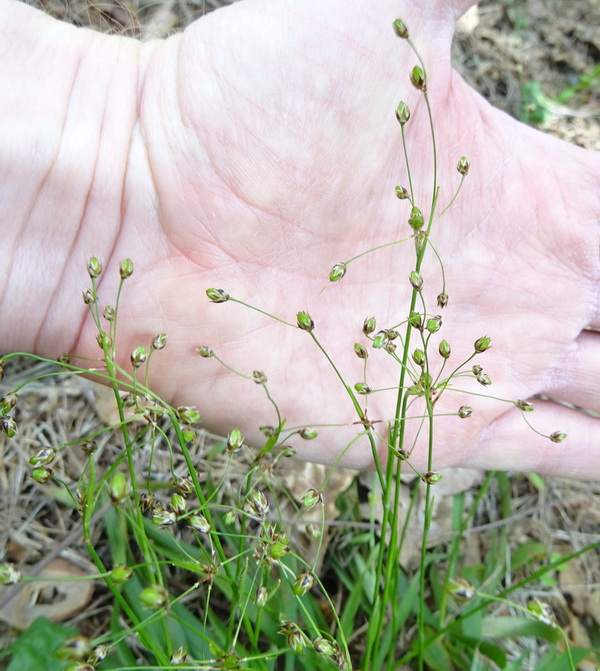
(307, 434)
(8, 402)
(431, 477)
(126, 268)
(524, 406)
(9, 575)
(234, 440)
(463, 165)
(434, 324)
(314, 531)
(337, 272)
(179, 656)
(43, 457)
(259, 377)
(261, 596)
(204, 352)
(118, 488)
(442, 300)
(362, 388)
(9, 426)
(188, 415)
(419, 237)
(89, 297)
(418, 356)
(303, 583)
(542, 611)
(163, 518)
(159, 341)
(121, 573)
(312, 497)
(217, 295)
(183, 485)
(484, 380)
(179, 505)
(41, 474)
(361, 351)
(257, 505)
(323, 647)
(402, 193)
(104, 340)
(417, 78)
(279, 547)
(415, 321)
(230, 517)
(461, 589)
(380, 340)
(109, 313)
(74, 648)
(94, 267)
(295, 638)
(199, 523)
(369, 325)
(138, 356)
(465, 411)
(557, 436)
(477, 370)
(402, 113)
(389, 347)
(400, 29)
(305, 322)
(444, 349)
(416, 280)
(154, 597)
(416, 219)
(482, 344)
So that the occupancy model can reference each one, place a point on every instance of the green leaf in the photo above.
(33, 650)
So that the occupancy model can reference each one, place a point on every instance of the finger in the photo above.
(509, 444)
(575, 380)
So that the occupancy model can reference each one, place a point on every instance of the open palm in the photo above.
(267, 150)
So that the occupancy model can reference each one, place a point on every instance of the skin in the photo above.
(253, 152)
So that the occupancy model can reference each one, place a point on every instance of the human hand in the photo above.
(267, 150)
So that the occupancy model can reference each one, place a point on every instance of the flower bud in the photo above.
(118, 488)
(465, 411)
(74, 648)
(418, 356)
(9, 575)
(294, 636)
(179, 656)
(8, 402)
(442, 300)
(161, 517)
(9, 426)
(217, 295)
(104, 340)
(154, 597)
(417, 78)
(362, 388)
(97, 655)
(188, 415)
(542, 611)
(89, 297)
(138, 356)
(402, 113)
(41, 474)
(557, 436)
(380, 340)
(415, 321)
(524, 406)
(94, 267)
(109, 313)
(234, 440)
(369, 325)
(279, 547)
(314, 531)
(484, 380)
(477, 370)
(230, 517)
(312, 497)
(402, 193)
(444, 349)
(257, 504)
(159, 341)
(419, 238)
(307, 434)
(305, 322)
(416, 280)
(259, 377)
(126, 268)
(43, 456)
(121, 573)
(415, 219)
(261, 596)
(361, 351)
(337, 272)
(400, 28)
(199, 523)
(431, 477)
(460, 589)
(179, 505)
(463, 165)
(204, 352)
(389, 347)
(482, 344)
(323, 646)
(434, 324)
(303, 583)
